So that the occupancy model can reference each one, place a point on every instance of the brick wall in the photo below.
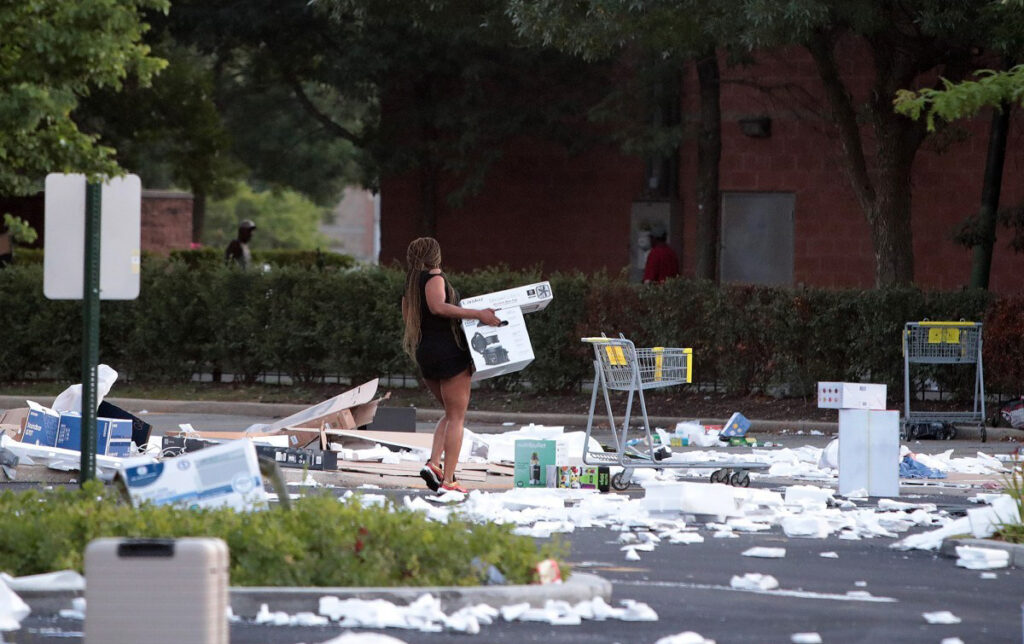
(539, 205)
(166, 220)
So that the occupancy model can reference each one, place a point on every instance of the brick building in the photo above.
(789, 214)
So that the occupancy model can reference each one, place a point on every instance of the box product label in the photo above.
(41, 426)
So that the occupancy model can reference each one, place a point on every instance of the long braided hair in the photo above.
(423, 254)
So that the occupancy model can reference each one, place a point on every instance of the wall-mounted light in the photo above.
(758, 127)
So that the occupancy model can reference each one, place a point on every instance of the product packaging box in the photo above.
(533, 460)
(851, 395)
(41, 425)
(497, 350)
(528, 299)
(736, 427)
(503, 349)
(222, 475)
(869, 451)
(583, 477)
(111, 433)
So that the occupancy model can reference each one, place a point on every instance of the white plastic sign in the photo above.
(120, 237)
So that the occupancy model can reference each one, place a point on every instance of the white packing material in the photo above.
(985, 521)
(814, 527)
(686, 637)
(805, 638)
(62, 580)
(691, 498)
(941, 617)
(363, 638)
(977, 558)
(754, 581)
(828, 555)
(71, 398)
(765, 553)
(13, 609)
(808, 496)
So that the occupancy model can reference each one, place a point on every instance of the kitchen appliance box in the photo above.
(40, 425)
(221, 475)
(851, 395)
(498, 350)
(113, 435)
(536, 462)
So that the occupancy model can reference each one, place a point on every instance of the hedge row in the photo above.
(308, 323)
(207, 258)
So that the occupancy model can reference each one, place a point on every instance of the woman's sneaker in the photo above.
(432, 476)
(454, 486)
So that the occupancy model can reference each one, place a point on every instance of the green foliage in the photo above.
(284, 219)
(1014, 486)
(998, 89)
(321, 541)
(53, 53)
(20, 230)
(195, 313)
(207, 258)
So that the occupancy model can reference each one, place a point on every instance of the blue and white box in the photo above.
(736, 427)
(41, 425)
(110, 432)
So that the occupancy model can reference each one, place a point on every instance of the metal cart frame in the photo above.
(620, 366)
(952, 343)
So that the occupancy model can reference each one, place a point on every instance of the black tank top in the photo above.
(430, 323)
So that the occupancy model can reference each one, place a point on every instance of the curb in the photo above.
(1016, 550)
(246, 601)
(280, 410)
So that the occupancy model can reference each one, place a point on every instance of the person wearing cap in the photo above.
(661, 260)
(238, 249)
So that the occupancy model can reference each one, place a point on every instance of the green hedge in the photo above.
(308, 322)
(321, 541)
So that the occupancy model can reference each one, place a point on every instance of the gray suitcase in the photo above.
(156, 591)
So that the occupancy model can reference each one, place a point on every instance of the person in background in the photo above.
(433, 339)
(238, 249)
(661, 260)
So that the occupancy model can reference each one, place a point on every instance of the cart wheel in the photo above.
(740, 479)
(618, 483)
(720, 476)
(984, 434)
(950, 432)
(904, 434)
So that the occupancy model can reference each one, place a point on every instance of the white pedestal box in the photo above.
(869, 451)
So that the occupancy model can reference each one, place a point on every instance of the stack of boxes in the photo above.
(869, 437)
(45, 426)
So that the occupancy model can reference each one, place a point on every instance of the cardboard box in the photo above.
(851, 395)
(222, 475)
(12, 422)
(533, 458)
(40, 425)
(497, 350)
(109, 431)
(583, 477)
(527, 299)
(736, 427)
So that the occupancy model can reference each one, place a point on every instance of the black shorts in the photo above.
(440, 358)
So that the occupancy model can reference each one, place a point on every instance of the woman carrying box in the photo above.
(433, 339)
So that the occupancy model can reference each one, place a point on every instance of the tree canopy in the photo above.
(53, 53)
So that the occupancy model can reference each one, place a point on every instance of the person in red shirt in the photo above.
(661, 260)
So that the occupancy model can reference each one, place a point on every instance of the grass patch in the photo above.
(321, 541)
(1015, 488)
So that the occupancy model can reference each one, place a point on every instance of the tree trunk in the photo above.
(428, 199)
(198, 214)
(709, 156)
(981, 264)
(891, 235)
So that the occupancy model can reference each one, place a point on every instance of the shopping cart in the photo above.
(620, 366)
(942, 343)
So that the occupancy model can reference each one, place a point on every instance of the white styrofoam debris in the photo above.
(12, 609)
(941, 617)
(933, 539)
(805, 638)
(279, 618)
(631, 554)
(754, 581)
(766, 553)
(691, 498)
(806, 526)
(985, 521)
(829, 555)
(686, 637)
(860, 584)
(686, 538)
(989, 575)
(951, 640)
(976, 558)
(52, 581)
(363, 638)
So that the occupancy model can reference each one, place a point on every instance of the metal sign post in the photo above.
(89, 258)
(90, 327)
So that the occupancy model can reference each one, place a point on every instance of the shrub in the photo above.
(321, 541)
